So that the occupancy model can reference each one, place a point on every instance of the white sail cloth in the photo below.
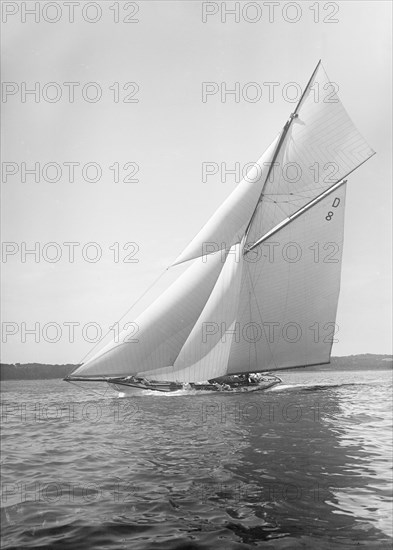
(158, 334)
(205, 354)
(321, 147)
(289, 295)
(227, 225)
(273, 306)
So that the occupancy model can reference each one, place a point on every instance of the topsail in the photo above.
(265, 296)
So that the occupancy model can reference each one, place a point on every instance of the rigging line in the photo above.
(263, 328)
(255, 344)
(280, 207)
(289, 201)
(281, 194)
(277, 203)
(292, 202)
(260, 316)
(126, 313)
(299, 193)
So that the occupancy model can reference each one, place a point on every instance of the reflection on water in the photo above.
(304, 465)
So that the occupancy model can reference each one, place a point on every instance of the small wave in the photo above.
(185, 392)
(312, 386)
(317, 387)
(282, 387)
(181, 393)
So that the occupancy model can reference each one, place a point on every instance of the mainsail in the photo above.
(266, 298)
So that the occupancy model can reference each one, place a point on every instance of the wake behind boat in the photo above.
(262, 292)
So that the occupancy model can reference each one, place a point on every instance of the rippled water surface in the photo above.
(304, 465)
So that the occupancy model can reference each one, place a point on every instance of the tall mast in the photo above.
(283, 135)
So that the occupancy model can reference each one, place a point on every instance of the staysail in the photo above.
(268, 299)
(205, 353)
(156, 337)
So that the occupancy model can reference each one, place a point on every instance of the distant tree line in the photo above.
(364, 361)
(40, 371)
(34, 371)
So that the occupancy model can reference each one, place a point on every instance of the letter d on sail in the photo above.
(336, 202)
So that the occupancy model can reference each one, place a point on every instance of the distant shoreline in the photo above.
(40, 371)
(34, 371)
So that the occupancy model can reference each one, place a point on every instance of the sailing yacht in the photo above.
(261, 292)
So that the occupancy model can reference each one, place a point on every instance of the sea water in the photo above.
(306, 464)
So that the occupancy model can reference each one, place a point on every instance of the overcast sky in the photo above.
(166, 136)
